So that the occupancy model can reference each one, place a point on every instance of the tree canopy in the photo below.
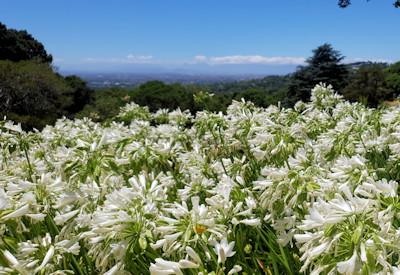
(368, 85)
(393, 77)
(157, 95)
(20, 45)
(323, 66)
(31, 92)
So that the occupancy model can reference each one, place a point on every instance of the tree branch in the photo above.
(346, 3)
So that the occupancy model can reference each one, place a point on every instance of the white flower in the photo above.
(193, 254)
(37, 217)
(389, 189)
(348, 266)
(188, 264)
(66, 199)
(68, 246)
(4, 200)
(251, 222)
(318, 250)
(10, 258)
(396, 270)
(113, 270)
(47, 258)
(13, 127)
(163, 267)
(235, 269)
(224, 250)
(61, 219)
(17, 213)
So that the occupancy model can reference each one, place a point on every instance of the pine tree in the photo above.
(324, 66)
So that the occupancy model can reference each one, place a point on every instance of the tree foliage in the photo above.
(81, 93)
(369, 86)
(105, 103)
(32, 93)
(346, 3)
(393, 78)
(20, 45)
(158, 95)
(323, 66)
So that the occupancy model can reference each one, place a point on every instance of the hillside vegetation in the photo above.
(31, 91)
(34, 94)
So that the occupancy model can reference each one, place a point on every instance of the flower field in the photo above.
(310, 190)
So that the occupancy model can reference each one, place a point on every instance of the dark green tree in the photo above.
(81, 94)
(368, 85)
(393, 78)
(31, 93)
(324, 66)
(105, 103)
(20, 45)
(157, 95)
(254, 95)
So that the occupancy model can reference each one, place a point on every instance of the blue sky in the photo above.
(233, 36)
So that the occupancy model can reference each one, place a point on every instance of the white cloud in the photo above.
(139, 58)
(129, 59)
(211, 60)
(251, 59)
(200, 58)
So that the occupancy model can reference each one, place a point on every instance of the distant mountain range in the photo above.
(124, 80)
(132, 79)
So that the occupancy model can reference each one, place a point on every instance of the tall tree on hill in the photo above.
(324, 66)
(20, 45)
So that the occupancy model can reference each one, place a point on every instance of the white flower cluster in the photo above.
(313, 189)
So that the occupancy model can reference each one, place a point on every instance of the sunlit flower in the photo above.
(224, 250)
(163, 267)
(348, 266)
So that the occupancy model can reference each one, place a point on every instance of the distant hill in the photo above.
(266, 84)
(129, 80)
(357, 65)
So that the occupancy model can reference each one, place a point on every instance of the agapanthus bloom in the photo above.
(311, 189)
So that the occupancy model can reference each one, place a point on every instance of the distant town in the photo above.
(132, 79)
(127, 80)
